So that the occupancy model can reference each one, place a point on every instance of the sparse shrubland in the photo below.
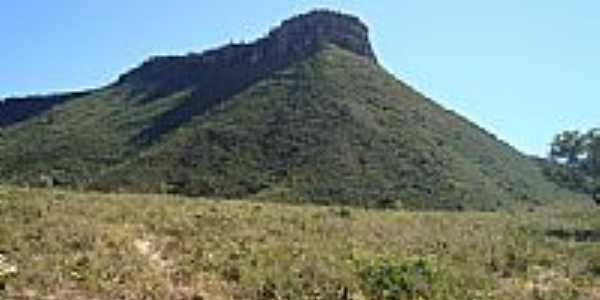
(71, 245)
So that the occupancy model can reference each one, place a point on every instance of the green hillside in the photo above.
(335, 128)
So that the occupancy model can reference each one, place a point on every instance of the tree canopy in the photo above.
(575, 161)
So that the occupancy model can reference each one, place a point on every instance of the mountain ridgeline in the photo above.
(217, 75)
(305, 114)
(15, 110)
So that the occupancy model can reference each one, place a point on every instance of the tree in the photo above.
(592, 152)
(575, 161)
(567, 146)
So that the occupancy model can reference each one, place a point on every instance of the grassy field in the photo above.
(69, 245)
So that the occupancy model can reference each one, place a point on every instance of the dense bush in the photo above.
(574, 161)
(392, 280)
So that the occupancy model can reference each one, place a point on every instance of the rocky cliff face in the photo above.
(216, 75)
(306, 32)
(296, 38)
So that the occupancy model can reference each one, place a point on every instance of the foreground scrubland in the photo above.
(70, 245)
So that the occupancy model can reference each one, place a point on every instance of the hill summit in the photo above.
(305, 114)
(219, 74)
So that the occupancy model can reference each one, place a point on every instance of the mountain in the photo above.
(305, 114)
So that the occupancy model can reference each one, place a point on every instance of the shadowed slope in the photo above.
(15, 110)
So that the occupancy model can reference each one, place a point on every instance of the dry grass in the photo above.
(70, 245)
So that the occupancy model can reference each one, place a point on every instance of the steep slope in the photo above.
(305, 115)
(338, 128)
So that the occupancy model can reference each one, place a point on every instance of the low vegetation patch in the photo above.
(383, 279)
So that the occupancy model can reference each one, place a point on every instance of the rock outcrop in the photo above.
(295, 38)
(306, 32)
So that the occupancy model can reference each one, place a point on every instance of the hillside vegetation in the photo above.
(66, 245)
(335, 128)
(304, 115)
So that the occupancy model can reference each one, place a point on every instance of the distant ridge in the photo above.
(305, 115)
(14, 110)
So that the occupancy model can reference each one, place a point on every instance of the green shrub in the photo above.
(386, 279)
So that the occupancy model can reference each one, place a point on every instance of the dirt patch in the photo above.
(547, 284)
(147, 249)
(57, 295)
(204, 287)
(6, 267)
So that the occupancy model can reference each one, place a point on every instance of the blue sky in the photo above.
(524, 70)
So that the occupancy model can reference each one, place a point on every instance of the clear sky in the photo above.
(523, 69)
